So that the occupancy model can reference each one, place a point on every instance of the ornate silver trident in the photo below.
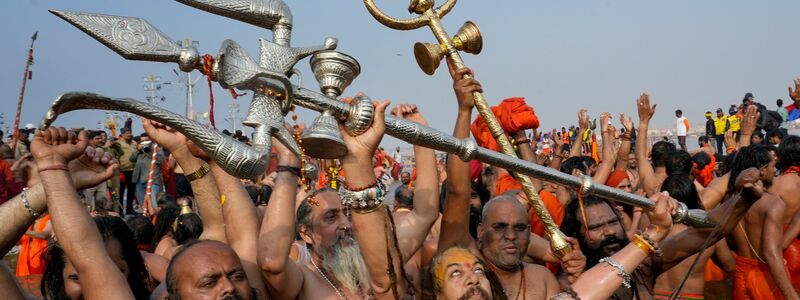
(135, 39)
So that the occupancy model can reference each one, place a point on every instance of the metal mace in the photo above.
(431, 17)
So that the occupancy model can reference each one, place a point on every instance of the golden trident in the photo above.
(469, 40)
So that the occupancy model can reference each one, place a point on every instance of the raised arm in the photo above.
(203, 186)
(558, 143)
(748, 126)
(688, 242)
(625, 147)
(241, 224)
(583, 126)
(283, 277)
(527, 152)
(371, 225)
(455, 215)
(413, 228)
(646, 173)
(100, 277)
(608, 159)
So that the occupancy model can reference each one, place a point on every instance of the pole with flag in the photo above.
(25, 77)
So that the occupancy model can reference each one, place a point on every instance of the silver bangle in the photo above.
(363, 200)
(626, 278)
(28, 204)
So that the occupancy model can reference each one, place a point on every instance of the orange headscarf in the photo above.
(513, 114)
(616, 177)
(505, 183)
(706, 175)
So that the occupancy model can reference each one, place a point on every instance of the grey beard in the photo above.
(346, 263)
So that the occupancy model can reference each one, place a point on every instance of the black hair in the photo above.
(164, 199)
(678, 162)
(759, 134)
(482, 192)
(789, 152)
(727, 163)
(701, 160)
(678, 111)
(187, 227)
(779, 102)
(702, 139)
(404, 197)
(110, 228)
(252, 191)
(753, 156)
(778, 132)
(682, 189)
(164, 219)
(572, 223)
(93, 133)
(661, 150)
(142, 229)
(263, 195)
(574, 163)
(303, 215)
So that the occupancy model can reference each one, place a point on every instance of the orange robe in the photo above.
(30, 253)
(792, 256)
(553, 206)
(752, 280)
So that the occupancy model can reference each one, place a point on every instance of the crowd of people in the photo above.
(151, 216)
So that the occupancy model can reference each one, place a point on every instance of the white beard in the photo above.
(346, 263)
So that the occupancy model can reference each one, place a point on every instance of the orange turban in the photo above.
(513, 114)
(616, 177)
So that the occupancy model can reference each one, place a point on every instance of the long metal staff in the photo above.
(432, 18)
(25, 76)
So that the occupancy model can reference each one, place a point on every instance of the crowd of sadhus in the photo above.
(154, 217)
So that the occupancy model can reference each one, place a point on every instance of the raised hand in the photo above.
(730, 140)
(795, 95)
(750, 120)
(363, 146)
(626, 123)
(749, 184)
(409, 112)
(163, 135)
(604, 121)
(661, 214)
(645, 110)
(583, 120)
(55, 147)
(92, 168)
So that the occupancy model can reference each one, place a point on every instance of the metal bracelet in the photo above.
(28, 204)
(626, 278)
(363, 201)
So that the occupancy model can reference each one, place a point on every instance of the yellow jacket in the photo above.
(735, 123)
(721, 125)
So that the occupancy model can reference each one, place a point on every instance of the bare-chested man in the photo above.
(504, 235)
(760, 268)
(340, 266)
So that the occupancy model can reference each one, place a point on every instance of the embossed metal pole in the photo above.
(431, 17)
(28, 63)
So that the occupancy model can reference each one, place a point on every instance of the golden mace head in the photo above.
(468, 39)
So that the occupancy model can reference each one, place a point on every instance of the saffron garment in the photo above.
(513, 114)
(30, 252)
(752, 280)
(553, 206)
(792, 256)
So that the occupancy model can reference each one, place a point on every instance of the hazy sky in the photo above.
(559, 55)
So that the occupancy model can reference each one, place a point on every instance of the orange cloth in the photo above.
(513, 114)
(553, 206)
(706, 175)
(594, 149)
(714, 272)
(752, 280)
(30, 252)
(616, 177)
(5, 169)
(792, 256)
(505, 183)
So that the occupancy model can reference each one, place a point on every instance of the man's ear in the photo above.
(306, 235)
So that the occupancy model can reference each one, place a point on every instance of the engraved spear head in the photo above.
(132, 38)
(269, 14)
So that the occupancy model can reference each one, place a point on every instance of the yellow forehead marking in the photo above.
(450, 256)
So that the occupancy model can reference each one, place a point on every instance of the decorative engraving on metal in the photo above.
(132, 38)
(268, 14)
(233, 156)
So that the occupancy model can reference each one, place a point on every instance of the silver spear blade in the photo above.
(132, 38)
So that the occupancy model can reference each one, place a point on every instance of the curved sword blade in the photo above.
(132, 38)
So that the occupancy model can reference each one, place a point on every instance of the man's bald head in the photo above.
(505, 199)
(207, 269)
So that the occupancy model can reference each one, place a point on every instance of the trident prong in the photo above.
(432, 17)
